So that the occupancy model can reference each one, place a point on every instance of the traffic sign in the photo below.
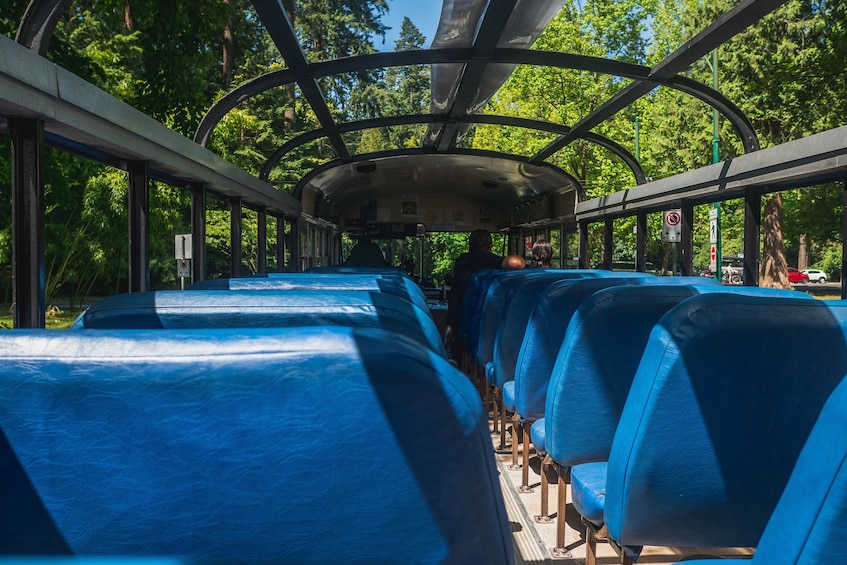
(672, 229)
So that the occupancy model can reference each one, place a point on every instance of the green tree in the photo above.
(599, 28)
(786, 73)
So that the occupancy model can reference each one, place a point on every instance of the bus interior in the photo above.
(310, 412)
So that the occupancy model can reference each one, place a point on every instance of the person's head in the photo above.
(542, 253)
(480, 240)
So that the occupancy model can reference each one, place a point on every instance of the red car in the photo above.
(796, 277)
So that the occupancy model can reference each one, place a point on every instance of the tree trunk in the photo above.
(774, 270)
(289, 112)
(129, 19)
(228, 54)
(803, 259)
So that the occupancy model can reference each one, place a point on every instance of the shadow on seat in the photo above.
(526, 395)
(272, 308)
(809, 524)
(283, 444)
(396, 284)
(702, 452)
(593, 372)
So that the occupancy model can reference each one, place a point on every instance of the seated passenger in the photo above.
(477, 258)
(542, 253)
(366, 253)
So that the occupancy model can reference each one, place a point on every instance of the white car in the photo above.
(816, 275)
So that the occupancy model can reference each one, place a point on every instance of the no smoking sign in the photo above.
(672, 228)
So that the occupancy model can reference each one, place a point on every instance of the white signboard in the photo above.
(182, 246)
(672, 228)
(713, 225)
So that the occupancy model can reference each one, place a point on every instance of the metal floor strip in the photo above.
(529, 548)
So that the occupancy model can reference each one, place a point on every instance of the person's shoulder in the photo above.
(462, 259)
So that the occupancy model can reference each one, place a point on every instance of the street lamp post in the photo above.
(715, 234)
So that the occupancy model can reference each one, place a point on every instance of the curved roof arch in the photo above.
(638, 73)
(487, 46)
(539, 125)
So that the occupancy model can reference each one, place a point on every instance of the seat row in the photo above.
(301, 418)
(678, 409)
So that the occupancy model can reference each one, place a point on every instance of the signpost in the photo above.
(182, 253)
(672, 231)
(672, 227)
(713, 239)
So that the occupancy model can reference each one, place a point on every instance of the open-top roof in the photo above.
(477, 45)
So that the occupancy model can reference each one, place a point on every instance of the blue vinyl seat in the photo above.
(526, 395)
(354, 270)
(394, 284)
(499, 293)
(809, 524)
(244, 445)
(513, 322)
(494, 307)
(473, 306)
(273, 308)
(704, 448)
(593, 372)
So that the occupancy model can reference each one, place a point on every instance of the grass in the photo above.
(59, 319)
(56, 318)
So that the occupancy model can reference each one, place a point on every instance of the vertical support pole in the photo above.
(752, 229)
(608, 243)
(198, 232)
(687, 238)
(294, 245)
(280, 244)
(844, 239)
(29, 280)
(235, 236)
(641, 242)
(262, 239)
(716, 157)
(582, 245)
(560, 551)
(139, 226)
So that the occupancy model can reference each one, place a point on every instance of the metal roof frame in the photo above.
(816, 159)
(41, 16)
(81, 118)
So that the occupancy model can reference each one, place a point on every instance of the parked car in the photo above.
(815, 275)
(796, 277)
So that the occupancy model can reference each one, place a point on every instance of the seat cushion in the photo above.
(490, 373)
(588, 490)
(538, 435)
(509, 396)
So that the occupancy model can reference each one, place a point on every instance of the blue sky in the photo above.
(423, 13)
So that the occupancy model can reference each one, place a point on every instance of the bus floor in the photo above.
(535, 541)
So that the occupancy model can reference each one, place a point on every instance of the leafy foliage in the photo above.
(170, 59)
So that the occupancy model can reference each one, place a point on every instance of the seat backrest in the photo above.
(598, 359)
(397, 285)
(727, 390)
(296, 445)
(357, 270)
(499, 294)
(472, 305)
(273, 308)
(809, 524)
(513, 323)
(545, 332)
